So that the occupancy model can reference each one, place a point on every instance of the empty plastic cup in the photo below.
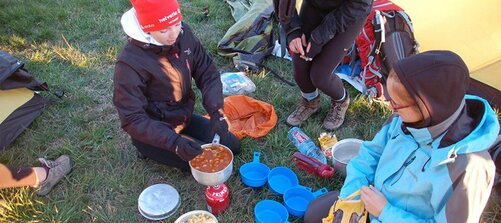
(254, 174)
(297, 199)
(280, 179)
(270, 211)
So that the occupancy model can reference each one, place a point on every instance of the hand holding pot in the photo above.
(187, 149)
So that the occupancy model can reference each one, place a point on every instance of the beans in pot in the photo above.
(212, 159)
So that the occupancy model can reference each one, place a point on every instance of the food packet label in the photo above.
(327, 141)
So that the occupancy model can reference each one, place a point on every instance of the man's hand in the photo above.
(373, 199)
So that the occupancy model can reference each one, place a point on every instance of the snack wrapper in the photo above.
(327, 141)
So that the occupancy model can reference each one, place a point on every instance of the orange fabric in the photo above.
(248, 116)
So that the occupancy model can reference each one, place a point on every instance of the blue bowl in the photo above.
(269, 211)
(297, 199)
(280, 179)
(254, 174)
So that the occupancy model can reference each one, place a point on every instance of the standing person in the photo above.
(152, 86)
(318, 39)
(430, 161)
(43, 177)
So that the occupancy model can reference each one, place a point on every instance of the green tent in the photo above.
(250, 39)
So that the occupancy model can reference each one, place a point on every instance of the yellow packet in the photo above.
(327, 141)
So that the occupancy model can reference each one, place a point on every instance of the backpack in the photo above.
(387, 37)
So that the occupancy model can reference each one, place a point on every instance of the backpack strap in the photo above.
(379, 33)
(411, 27)
(379, 39)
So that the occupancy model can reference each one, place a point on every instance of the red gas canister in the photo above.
(218, 198)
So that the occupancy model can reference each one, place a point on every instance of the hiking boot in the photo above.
(335, 117)
(57, 169)
(303, 111)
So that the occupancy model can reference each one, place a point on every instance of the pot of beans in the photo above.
(214, 166)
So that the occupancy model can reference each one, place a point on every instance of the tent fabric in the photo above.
(12, 100)
(469, 28)
(20, 119)
(250, 39)
(20, 105)
(249, 117)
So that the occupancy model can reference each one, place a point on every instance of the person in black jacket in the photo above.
(318, 38)
(152, 86)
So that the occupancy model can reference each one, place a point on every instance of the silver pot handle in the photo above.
(216, 139)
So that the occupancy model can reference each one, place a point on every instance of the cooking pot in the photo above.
(343, 151)
(215, 178)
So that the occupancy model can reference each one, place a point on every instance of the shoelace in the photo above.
(48, 163)
(338, 115)
(301, 108)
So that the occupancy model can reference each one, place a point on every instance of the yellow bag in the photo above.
(347, 210)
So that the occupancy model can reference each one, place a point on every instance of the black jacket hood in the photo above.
(437, 81)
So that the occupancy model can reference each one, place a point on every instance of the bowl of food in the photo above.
(343, 151)
(197, 216)
(214, 166)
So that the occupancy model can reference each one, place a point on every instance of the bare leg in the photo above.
(21, 176)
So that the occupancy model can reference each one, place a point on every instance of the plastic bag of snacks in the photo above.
(327, 141)
(237, 83)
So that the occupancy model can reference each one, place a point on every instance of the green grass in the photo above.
(73, 45)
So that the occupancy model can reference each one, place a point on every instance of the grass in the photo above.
(73, 45)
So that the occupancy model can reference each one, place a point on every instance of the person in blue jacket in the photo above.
(430, 160)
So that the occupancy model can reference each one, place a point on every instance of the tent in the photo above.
(250, 39)
(19, 103)
(469, 28)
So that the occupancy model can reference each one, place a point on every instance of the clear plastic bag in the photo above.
(237, 83)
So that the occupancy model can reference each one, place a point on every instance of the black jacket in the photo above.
(339, 14)
(152, 88)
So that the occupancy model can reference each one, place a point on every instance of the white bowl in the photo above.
(343, 151)
(185, 217)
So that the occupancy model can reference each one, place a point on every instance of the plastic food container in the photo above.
(297, 199)
(254, 174)
(200, 214)
(270, 211)
(280, 179)
(158, 201)
(343, 151)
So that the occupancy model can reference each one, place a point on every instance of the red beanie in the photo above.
(155, 15)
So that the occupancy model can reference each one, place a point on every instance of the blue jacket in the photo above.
(423, 182)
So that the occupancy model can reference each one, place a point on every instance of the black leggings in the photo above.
(199, 129)
(318, 73)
